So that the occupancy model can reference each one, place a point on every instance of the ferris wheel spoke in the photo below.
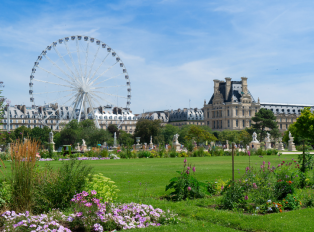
(61, 91)
(75, 103)
(57, 66)
(53, 83)
(56, 100)
(108, 79)
(104, 72)
(63, 61)
(91, 68)
(71, 57)
(105, 87)
(55, 75)
(110, 94)
(102, 62)
(78, 55)
(95, 95)
(90, 102)
(86, 58)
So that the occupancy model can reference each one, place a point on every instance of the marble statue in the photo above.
(175, 138)
(50, 137)
(290, 135)
(268, 136)
(151, 140)
(83, 142)
(254, 136)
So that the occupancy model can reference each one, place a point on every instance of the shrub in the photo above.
(104, 186)
(234, 195)
(186, 186)
(173, 154)
(283, 188)
(5, 156)
(291, 202)
(23, 156)
(143, 154)
(212, 187)
(5, 194)
(55, 188)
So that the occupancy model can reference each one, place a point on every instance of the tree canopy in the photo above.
(146, 128)
(264, 121)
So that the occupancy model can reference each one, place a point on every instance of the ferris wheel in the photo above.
(80, 73)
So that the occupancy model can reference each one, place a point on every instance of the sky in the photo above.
(173, 49)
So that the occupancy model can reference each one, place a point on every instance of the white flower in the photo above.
(269, 201)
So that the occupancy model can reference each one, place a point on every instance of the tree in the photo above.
(113, 128)
(245, 137)
(168, 132)
(22, 131)
(230, 135)
(146, 128)
(305, 131)
(125, 138)
(265, 121)
(199, 135)
(40, 134)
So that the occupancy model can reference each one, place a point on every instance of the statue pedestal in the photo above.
(280, 147)
(256, 144)
(84, 148)
(291, 146)
(138, 147)
(268, 145)
(53, 146)
(277, 145)
(177, 146)
(151, 145)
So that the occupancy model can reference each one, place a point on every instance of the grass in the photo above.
(144, 181)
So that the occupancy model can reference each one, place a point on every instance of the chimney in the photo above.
(228, 86)
(216, 86)
(244, 85)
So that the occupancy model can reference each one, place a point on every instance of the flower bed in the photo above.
(79, 158)
(90, 215)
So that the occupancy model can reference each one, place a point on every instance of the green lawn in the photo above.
(144, 181)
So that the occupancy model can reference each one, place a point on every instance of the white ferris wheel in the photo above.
(82, 73)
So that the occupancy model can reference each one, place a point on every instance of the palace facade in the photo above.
(232, 106)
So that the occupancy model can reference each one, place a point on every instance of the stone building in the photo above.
(186, 117)
(232, 106)
(48, 115)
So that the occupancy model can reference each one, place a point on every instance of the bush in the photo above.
(307, 148)
(143, 154)
(291, 202)
(186, 186)
(55, 188)
(233, 195)
(283, 188)
(5, 194)
(173, 154)
(5, 156)
(212, 188)
(104, 186)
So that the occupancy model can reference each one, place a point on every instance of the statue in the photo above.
(151, 140)
(290, 135)
(50, 137)
(268, 136)
(175, 138)
(83, 142)
(254, 136)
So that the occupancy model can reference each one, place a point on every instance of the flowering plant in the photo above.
(186, 185)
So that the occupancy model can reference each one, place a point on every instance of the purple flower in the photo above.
(193, 169)
(249, 153)
(184, 161)
(246, 197)
(222, 187)
(93, 192)
(79, 214)
(188, 168)
(189, 188)
(187, 172)
(254, 185)
(88, 204)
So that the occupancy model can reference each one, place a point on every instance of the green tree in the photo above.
(245, 137)
(230, 135)
(199, 135)
(125, 138)
(264, 121)
(40, 134)
(113, 128)
(305, 131)
(146, 128)
(168, 132)
(22, 131)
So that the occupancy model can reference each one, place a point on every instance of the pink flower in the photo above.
(189, 188)
(249, 153)
(188, 168)
(88, 204)
(193, 169)
(222, 187)
(85, 193)
(93, 192)
(246, 197)
(263, 162)
(254, 185)
(184, 161)
(187, 172)
(268, 163)
(79, 214)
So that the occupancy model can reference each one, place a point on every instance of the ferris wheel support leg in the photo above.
(79, 117)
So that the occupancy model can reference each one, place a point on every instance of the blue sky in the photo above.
(173, 50)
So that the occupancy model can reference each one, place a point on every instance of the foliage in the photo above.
(291, 202)
(146, 128)
(5, 193)
(199, 134)
(23, 156)
(186, 186)
(233, 195)
(264, 119)
(212, 187)
(125, 138)
(104, 186)
(55, 188)
(283, 188)
(143, 154)
(305, 124)
(168, 132)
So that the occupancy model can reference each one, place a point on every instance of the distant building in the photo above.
(186, 117)
(232, 106)
(48, 115)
